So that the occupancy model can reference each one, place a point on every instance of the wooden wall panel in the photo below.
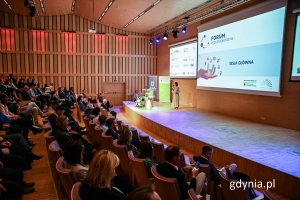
(59, 50)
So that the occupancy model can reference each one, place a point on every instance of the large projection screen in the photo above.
(183, 59)
(243, 52)
(295, 75)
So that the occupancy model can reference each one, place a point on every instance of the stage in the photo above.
(262, 151)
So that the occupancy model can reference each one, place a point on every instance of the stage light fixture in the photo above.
(183, 30)
(151, 42)
(175, 33)
(165, 36)
(157, 40)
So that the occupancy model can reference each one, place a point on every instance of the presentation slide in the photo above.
(296, 56)
(183, 60)
(243, 56)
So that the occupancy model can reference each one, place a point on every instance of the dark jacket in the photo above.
(112, 132)
(214, 173)
(89, 193)
(63, 138)
(167, 170)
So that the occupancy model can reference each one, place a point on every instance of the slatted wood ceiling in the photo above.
(60, 50)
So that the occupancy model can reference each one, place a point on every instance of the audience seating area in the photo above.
(131, 167)
(134, 168)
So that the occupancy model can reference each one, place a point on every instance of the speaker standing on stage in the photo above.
(175, 99)
(136, 95)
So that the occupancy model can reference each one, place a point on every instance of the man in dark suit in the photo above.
(65, 139)
(170, 169)
(205, 158)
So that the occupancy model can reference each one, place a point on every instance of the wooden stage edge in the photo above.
(285, 184)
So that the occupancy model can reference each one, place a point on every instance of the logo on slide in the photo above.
(298, 70)
(249, 83)
(204, 43)
(267, 84)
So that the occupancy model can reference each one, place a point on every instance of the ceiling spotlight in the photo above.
(183, 30)
(151, 42)
(157, 40)
(165, 36)
(175, 33)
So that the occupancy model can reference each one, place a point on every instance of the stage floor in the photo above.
(274, 147)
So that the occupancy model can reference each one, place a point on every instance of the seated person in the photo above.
(34, 96)
(63, 95)
(22, 120)
(205, 158)
(89, 104)
(146, 192)
(73, 159)
(111, 128)
(64, 138)
(106, 105)
(95, 115)
(81, 103)
(125, 139)
(146, 152)
(16, 153)
(136, 95)
(100, 97)
(98, 182)
(102, 123)
(135, 138)
(57, 110)
(12, 185)
(21, 83)
(12, 102)
(170, 169)
(60, 110)
(32, 108)
(25, 93)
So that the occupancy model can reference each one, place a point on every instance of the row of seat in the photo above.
(134, 168)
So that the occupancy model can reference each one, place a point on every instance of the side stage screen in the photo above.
(183, 60)
(296, 56)
(243, 56)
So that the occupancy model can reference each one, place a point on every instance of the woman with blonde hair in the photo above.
(98, 182)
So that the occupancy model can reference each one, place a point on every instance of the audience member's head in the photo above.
(146, 150)
(125, 136)
(146, 192)
(54, 105)
(172, 154)
(62, 122)
(207, 152)
(25, 88)
(102, 119)
(59, 110)
(110, 123)
(10, 91)
(102, 169)
(79, 98)
(104, 101)
(96, 111)
(73, 153)
(3, 99)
